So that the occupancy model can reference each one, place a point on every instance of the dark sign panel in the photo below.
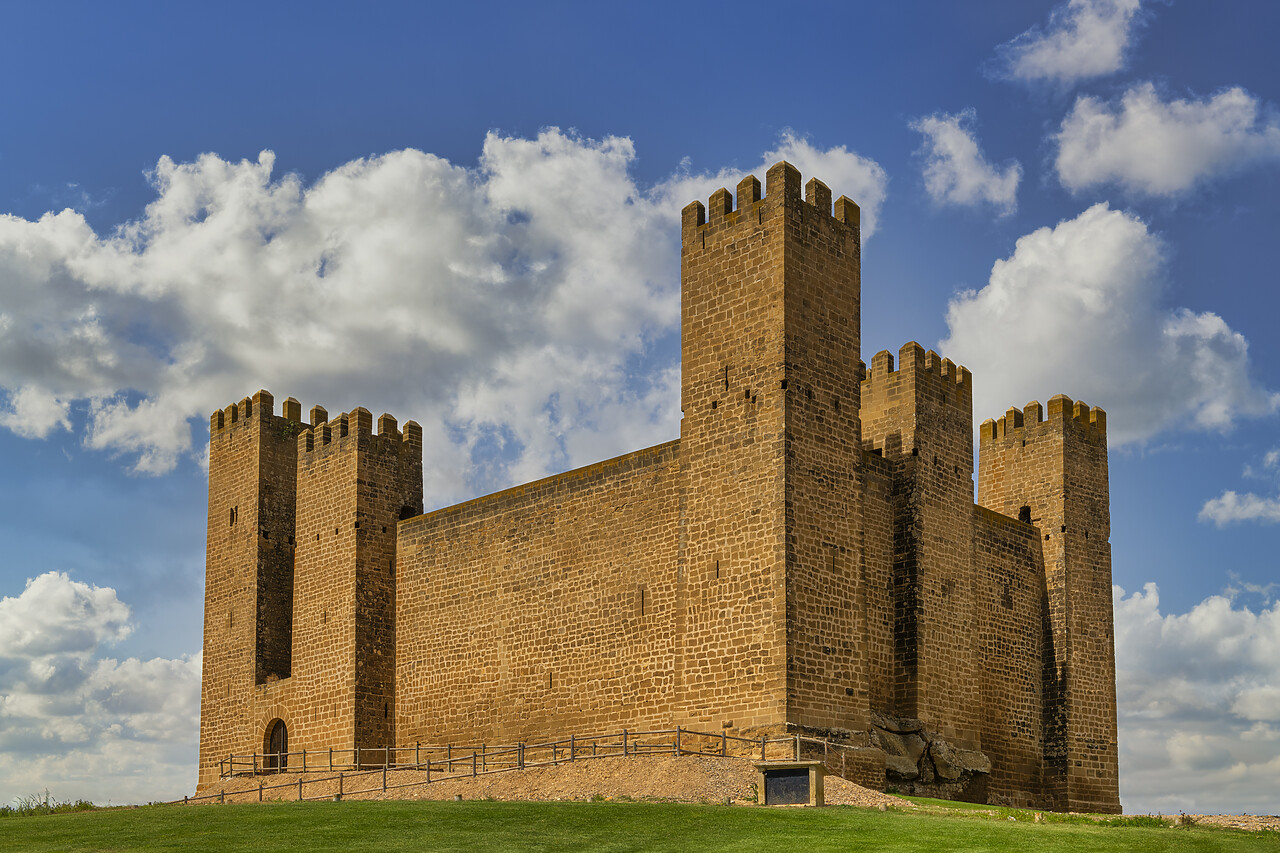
(786, 787)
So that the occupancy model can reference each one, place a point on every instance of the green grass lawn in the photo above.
(392, 826)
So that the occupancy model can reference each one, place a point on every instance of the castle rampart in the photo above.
(806, 557)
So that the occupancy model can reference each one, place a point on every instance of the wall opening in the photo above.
(1024, 515)
(233, 516)
(275, 747)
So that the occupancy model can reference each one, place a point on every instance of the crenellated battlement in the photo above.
(357, 423)
(919, 369)
(259, 407)
(782, 189)
(1084, 421)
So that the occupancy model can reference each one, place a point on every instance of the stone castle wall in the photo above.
(807, 557)
(544, 608)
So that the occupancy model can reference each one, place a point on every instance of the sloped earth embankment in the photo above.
(687, 779)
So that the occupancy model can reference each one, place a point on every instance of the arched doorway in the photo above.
(276, 746)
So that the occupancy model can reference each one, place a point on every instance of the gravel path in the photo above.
(1254, 823)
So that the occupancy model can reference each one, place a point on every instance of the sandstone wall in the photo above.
(542, 610)
(877, 538)
(1010, 601)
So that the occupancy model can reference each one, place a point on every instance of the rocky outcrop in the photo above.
(918, 761)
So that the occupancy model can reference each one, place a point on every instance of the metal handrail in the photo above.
(497, 757)
(486, 759)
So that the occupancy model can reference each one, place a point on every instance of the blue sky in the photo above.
(468, 216)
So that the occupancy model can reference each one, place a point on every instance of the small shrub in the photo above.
(43, 803)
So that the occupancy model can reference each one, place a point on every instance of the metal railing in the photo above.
(436, 763)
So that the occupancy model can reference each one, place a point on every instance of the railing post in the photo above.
(255, 764)
(417, 753)
(797, 746)
(259, 791)
(484, 758)
(222, 796)
(520, 754)
(339, 786)
(573, 747)
(384, 778)
(473, 764)
(299, 789)
(330, 758)
(624, 743)
(724, 743)
(428, 770)
(677, 741)
(304, 761)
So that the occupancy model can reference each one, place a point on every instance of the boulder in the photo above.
(945, 761)
(973, 761)
(913, 747)
(951, 763)
(901, 766)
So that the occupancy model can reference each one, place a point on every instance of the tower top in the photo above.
(782, 186)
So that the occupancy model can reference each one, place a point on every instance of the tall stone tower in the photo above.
(299, 632)
(919, 416)
(248, 614)
(1052, 472)
(768, 612)
(353, 487)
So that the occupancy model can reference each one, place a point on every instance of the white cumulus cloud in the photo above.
(956, 171)
(33, 412)
(1077, 310)
(1084, 39)
(1231, 506)
(1198, 694)
(1159, 147)
(82, 724)
(525, 311)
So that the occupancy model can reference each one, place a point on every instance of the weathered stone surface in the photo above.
(898, 725)
(945, 761)
(973, 761)
(901, 766)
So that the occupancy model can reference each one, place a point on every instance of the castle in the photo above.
(806, 557)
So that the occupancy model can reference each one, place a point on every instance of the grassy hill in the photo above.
(390, 826)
